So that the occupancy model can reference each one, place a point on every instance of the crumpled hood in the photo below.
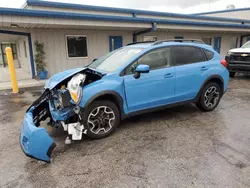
(240, 50)
(59, 77)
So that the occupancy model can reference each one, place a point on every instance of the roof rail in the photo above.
(140, 42)
(179, 40)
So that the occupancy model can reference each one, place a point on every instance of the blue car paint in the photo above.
(35, 141)
(156, 88)
(60, 115)
(151, 89)
(57, 78)
(104, 84)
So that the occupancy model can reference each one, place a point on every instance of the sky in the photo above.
(176, 6)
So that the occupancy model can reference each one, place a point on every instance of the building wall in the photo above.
(56, 50)
(244, 14)
(225, 38)
(98, 44)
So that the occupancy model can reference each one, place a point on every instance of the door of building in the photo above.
(115, 42)
(217, 44)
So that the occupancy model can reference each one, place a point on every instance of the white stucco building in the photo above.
(74, 35)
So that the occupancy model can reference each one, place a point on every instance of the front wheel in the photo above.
(100, 119)
(210, 97)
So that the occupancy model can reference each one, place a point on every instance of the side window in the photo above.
(182, 55)
(208, 54)
(156, 59)
(200, 55)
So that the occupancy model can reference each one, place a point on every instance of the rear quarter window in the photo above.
(208, 54)
(200, 55)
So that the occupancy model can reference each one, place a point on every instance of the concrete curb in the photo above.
(23, 84)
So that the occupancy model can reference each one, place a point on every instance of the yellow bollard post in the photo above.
(12, 70)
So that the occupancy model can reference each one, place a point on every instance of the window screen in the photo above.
(182, 55)
(209, 54)
(77, 46)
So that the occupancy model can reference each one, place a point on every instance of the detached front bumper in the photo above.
(35, 141)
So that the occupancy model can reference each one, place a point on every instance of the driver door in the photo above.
(152, 89)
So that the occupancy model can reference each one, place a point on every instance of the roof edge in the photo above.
(221, 11)
(66, 15)
(125, 10)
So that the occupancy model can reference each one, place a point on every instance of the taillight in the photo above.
(223, 62)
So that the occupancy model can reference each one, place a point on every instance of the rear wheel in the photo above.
(100, 119)
(232, 74)
(210, 97)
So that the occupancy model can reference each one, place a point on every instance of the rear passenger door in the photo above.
(191, 67)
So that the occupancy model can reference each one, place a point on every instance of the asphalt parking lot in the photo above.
(178, 147)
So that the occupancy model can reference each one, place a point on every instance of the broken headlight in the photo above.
(75, 87)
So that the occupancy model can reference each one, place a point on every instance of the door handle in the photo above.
(204, 68)
(168, 75)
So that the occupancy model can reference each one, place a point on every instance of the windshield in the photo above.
(246, 45)
(113, 60)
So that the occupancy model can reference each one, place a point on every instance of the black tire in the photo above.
(232, 74)
(201, 104)
(87, 112)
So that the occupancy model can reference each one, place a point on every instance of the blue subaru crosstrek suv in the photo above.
(135, 79)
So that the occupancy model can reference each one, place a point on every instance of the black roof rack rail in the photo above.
(179, 40)
(140, 42)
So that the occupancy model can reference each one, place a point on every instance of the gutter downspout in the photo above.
(136, 33)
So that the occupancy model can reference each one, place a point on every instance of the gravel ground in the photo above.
(178, 147)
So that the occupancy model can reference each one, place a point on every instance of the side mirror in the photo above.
(94, 59)
(141, 69)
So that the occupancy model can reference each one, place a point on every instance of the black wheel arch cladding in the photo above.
(214, 78)
(108, 95)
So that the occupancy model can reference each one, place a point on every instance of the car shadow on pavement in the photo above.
(175, 113)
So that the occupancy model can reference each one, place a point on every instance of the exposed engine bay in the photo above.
(60, 104)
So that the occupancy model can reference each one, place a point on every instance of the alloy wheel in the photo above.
(211, 97)
(101, 120)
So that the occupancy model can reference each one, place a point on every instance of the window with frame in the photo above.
(14, 50)
(1, 55)
(233, 42)
(207, 40)
(25, 48)
(178, 37)
(155, 59)
(182, 55)
(149, 38)
(76, 46)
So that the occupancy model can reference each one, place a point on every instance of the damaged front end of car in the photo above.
(59, 104)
